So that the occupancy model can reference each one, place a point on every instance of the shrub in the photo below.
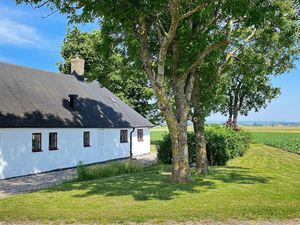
(106, 170)
(164, 151)
(222, 144)
(81, 171)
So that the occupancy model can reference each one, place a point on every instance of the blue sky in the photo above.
(28, 39)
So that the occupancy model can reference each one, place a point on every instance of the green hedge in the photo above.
(222, 144)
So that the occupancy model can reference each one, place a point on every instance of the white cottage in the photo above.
(51, 121)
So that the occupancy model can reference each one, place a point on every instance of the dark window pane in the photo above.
(86, 139)
(36, 142)
(123, 136)
(52, 141)
(140, 134)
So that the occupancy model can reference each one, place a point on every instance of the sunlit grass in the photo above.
(263, 184)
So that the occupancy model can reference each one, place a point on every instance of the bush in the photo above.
(81, 171)
(164, 151)
(106, 170)
(222, 144)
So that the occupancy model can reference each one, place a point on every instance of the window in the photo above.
(36, 142)
(123, 136)
(86, 139)
(52, 141)
(140, 135)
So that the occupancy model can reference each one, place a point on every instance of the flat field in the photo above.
(273, 129)
(286, 141)
(283, 137)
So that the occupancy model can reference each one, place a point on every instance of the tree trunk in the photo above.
(230, 110)
(182, 87)
(235, 116)
(198, 122)
(180, 158)
(180, 171)
(235, 110)
(178, 132)
(201, 153)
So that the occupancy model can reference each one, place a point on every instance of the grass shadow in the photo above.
(153, 184)
(240, 175)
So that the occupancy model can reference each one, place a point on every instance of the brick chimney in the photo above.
(77, 66)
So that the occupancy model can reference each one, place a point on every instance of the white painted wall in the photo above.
(141, 147)
(17, 158)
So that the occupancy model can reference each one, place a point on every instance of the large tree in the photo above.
(146, 32)
(272, 52)
(159, 35)
(269, 47)
(247, 92)
(112, 70)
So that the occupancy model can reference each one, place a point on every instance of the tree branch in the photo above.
(191, 12)
(232, 53)
(189, 85)
(174, 11)
(37, 6)
(143, 36)
(229, 56)
(162, 99)
(51, 13)
(203, 54)
(160, 25)
(215, 18)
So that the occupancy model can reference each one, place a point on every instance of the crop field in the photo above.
(286, 141)
(283, 137)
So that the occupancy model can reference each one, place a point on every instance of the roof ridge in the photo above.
(31, 68)
(46, 103)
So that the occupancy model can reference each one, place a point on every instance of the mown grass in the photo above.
(263, 184)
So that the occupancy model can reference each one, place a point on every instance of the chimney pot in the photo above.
(73, 99)
(77, 66)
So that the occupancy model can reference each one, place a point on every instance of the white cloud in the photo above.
(10, 12)
(17, 33)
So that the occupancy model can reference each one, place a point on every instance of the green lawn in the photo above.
(157, 132)
(156, 135)
(263, 184)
